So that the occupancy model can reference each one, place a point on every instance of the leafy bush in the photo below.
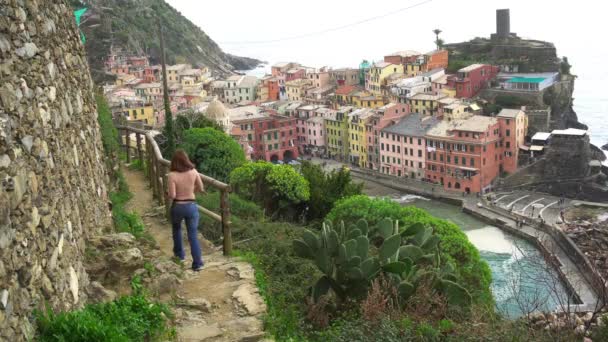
(509, 101)
(278, 188)
(473, 273)
(213, 152)
(109, 134)
(326, 188)
(130, 318)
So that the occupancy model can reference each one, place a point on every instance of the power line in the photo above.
(305, 35)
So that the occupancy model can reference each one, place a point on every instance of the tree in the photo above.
(181, 123)
(327, 188)
(278, 188)
(438, 42)
(213, 152)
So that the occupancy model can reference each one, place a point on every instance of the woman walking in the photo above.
(183, 182)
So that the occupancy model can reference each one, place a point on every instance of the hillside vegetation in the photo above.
(131, 25)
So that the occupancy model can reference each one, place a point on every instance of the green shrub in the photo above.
(130, 318)
(473, 272)
(214, 153)
(109, 134)
(282, 277)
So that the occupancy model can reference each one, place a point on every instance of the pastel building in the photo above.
(381, 118)
(513, 130)
(296, 89)
(318, 77)
(344, 76)
(270, 136)
(464, 155)
(425, 103)
(377, 74)
(437, 59)
(336, 129)
(402, 146)
(402, 57)
(315, 128)
(471, 79)
(240, 88)
(357, 120)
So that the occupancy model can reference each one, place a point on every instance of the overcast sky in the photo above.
(250, 21)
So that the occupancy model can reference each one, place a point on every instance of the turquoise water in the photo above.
(521, 279)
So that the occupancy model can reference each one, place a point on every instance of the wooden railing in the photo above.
(157, 169)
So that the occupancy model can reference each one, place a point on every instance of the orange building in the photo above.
(436, 59)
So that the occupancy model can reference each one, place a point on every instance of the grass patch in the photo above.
(129, 318)
(125, 221)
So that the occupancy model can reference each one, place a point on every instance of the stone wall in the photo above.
(52, 176)
(567, 157)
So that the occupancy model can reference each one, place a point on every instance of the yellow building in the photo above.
(378, 74)
(337, 133)
(367, 100)
(296, 89)
(356, 136)
(426, 104)
(414, 69)
(144, 113)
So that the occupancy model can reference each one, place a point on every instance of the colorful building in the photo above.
(357, 145)
(315, 132)
(174, 70)
(296, 89)
(470, 80)
(437, 59)
(402, 146)
(318, 77)
(425, 103)
(381, 118)
(513, 130)
(464, 155)
(344, 76)
(270, 136)
(336, 129)
(402, 57)
(240, 89)
(139, 111)
(377, 74)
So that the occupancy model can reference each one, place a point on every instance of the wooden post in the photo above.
(161, 186)
(168, 202)
(140, 153)
(149, 162)
(154, 172)
(225, 207)
(127, 146)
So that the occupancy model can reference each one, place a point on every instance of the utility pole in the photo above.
(168, 130)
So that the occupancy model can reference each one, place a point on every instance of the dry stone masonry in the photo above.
(52, 176)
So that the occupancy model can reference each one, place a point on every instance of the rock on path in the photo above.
(219, 303)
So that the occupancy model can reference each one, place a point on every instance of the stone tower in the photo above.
(503, 24)
(53, 193)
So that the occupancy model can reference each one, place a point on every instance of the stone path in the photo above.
(219, 303)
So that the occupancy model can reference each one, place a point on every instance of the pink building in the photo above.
(314, 132)
(318, 77)
(513, 129)
(402, 146)
(382, 117)
(294, 74)
(470, 80)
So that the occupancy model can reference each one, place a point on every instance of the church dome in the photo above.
(216, 110)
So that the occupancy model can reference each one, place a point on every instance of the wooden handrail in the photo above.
(157, 169)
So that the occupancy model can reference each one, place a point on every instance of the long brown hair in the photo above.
(180, 162)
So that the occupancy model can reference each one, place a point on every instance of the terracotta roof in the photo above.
(347, 89)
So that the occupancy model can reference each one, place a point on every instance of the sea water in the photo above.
(521, 279)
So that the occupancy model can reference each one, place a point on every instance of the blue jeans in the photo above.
(188, 212)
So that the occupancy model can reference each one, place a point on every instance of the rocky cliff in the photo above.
(53, 183)
(131, 26)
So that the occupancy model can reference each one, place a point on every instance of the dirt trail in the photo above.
(219, 303)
